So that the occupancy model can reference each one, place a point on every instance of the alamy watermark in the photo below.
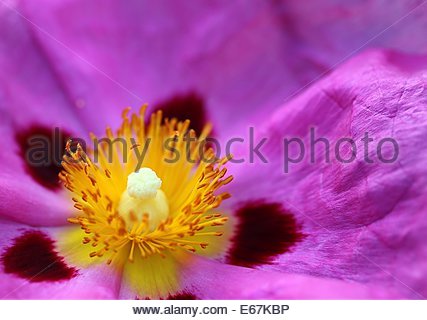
(314, 149)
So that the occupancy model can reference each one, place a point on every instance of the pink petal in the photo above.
(31, 94)
(327, 33)
(244, 59)
(23, 199)
(108, 54)
(97, 282)
(212, 280)
(31, 91)
(363, 221)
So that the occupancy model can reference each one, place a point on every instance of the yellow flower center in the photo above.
(148, 191)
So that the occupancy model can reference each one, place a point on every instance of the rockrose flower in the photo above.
(135, 218)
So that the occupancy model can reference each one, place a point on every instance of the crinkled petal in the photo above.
(362, 221)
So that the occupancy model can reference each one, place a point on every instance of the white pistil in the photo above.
(144, 196)
(143, 184)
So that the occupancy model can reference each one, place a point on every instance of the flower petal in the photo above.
(241, 58)
(112, 54)
(327, 33)
(22, 198)
(153, 277)
(31, 91)
(206, 279)
(47, 283)
(31, 96)
(363, 221)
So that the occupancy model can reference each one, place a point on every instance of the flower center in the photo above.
(144, 196)
(162, 203)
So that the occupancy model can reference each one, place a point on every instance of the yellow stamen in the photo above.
(148, 206)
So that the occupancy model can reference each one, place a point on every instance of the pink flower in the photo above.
(323, 230)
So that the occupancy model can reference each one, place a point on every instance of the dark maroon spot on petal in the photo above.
(185, 106)
(32, 256)
(42, 149)
(178, 296)
(182, 296)
(264, 230)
